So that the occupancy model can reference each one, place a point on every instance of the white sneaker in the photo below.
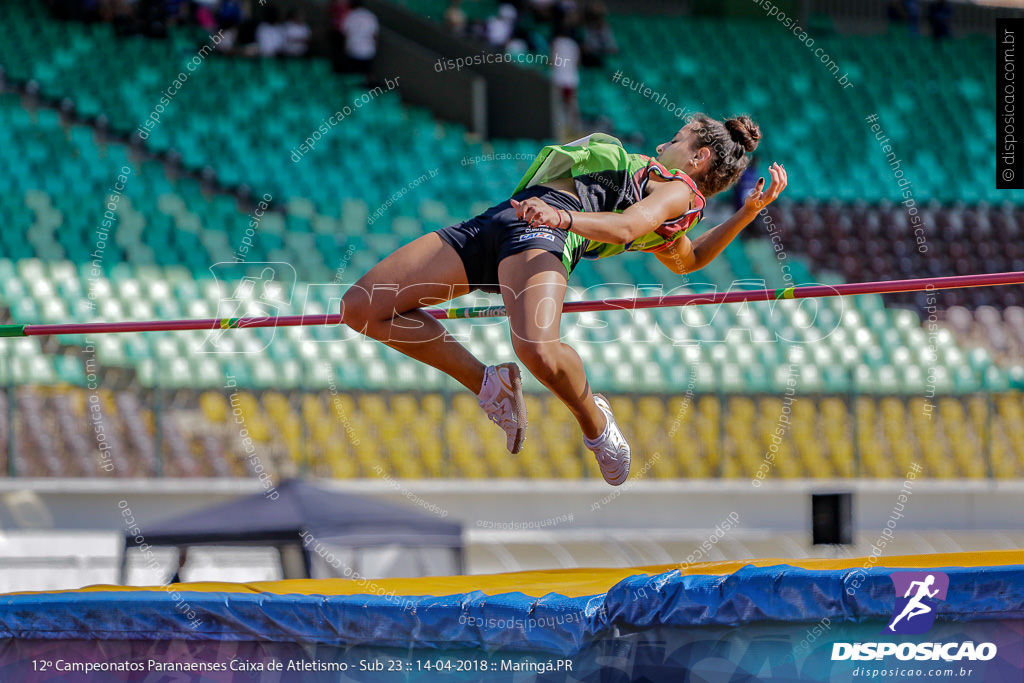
(501, 397)
(610, 449)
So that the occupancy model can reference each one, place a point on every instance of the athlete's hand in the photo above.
(535, 212)
(758, 197)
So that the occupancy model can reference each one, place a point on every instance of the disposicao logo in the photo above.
(915, 611)
(917, 595)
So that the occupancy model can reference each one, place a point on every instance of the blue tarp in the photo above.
(510, 621)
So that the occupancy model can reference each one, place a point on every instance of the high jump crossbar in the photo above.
(624, 304)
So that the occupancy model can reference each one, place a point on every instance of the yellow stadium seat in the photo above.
(786, 463)
(404, 408)
(343, 465)
(252, 416)
(624, 407)
(433, 407)
(373, 406)
(535, 405)
(662, 466)
(539, 467)
(371, 464)
(312, 408)
(214, 406)
(340, 407)
(731, 470)
(874, 463)
(323, 431)
(568, 465)
(465, 407)
(978, 409)
(650, 409)
(429, 448)
(404, 460)
(499, 462)
(276, 406)
(414, 435)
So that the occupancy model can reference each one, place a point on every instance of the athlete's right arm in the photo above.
(665, 201)
(695, 254)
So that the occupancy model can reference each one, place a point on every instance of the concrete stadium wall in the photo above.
(511, 525)
(777, 506)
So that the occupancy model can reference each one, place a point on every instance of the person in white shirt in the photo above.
(361, 28)
(297, 35)
(501, 26)
(270, 35)
(565, 74)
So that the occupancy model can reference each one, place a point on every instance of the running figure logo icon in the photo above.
(915, 610)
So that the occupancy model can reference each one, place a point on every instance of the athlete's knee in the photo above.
(543, 359)
(357, 311)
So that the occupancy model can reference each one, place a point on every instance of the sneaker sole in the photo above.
(517, 392)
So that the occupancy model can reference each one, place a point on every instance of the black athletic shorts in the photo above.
(486, 240)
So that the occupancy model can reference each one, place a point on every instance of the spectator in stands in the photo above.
(455, 18)
(905, 12)
(337, 13)
(152, 15)
(175, 11)
(229, 14)
(245, 37)
(205, 17)
(543, 10)
(528, 24)
(746, 183)
(565, 13)
(940, 16)
(501, 26)
(519, 44)
(125, 22)
(598, 39)
(76, 10)
(270, 35)
(565, 74)
(361, 30)
(297, 35)
(744, 186)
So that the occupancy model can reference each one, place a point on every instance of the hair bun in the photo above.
(744, 132)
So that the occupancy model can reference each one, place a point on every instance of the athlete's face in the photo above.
(680, 152)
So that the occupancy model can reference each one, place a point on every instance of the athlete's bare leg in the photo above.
(384, 304)
(533, 285)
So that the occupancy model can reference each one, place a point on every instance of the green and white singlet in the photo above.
(608, 178)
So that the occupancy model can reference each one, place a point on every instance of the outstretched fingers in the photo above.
(760, 197)
(779, 181)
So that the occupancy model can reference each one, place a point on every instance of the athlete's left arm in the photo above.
(686, 256)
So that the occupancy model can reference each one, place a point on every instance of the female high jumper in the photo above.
(586, 200)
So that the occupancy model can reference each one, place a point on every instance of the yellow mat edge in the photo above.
(576, 582)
